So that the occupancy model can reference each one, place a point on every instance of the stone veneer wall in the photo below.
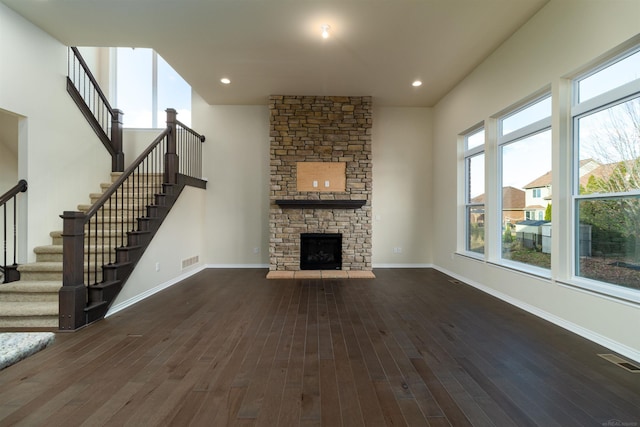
(320, 129)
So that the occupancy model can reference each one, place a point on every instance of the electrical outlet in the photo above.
(157, 266)
(256, 250)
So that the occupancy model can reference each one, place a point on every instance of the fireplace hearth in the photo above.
(320, 251)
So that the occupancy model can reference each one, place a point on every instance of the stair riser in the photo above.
(101, 258)
(28, 297)
(139, 194)
(29, 322)
(94, 241)
(44, 275)
(54, 275)
(130, 210)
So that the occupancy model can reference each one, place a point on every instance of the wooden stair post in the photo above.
(171, 157)
(73, 294)
(117, 159)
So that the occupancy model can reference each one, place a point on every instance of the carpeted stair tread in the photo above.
(41, 266)
(30, 291)
(35, 286)
(28, 308)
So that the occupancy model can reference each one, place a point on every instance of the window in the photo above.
(524, 141)
(474, 190)
(146, 86)
(606, 190)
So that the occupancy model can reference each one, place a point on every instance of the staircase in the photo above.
(32, 302)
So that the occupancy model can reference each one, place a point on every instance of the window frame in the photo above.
(601, 102)
(524, 132)
(470, 153)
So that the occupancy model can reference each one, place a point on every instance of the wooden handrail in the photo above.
(105, 120)
(118, 183)
(101, 246)
(93, 80)
(20, 187)
(10, 272)
(191, 131)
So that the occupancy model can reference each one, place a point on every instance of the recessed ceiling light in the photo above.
(416, 83)
(325, 31)
(225, 81)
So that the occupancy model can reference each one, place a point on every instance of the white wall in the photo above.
(236, 163)
(59, 155)
(402, 185)
(8, 150)
(562, 38)
(159, 268)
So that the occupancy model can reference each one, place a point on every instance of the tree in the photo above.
(547, 213)
(507, 237)
(613, 139)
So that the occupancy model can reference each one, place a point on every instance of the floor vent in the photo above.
(190, 261)
(624, 364)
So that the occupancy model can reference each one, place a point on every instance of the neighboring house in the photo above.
(537, 197)
(513, 206)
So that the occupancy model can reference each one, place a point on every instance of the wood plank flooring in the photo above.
(229, 347)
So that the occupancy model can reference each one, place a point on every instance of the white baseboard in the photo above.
(384, 265)
(617, 347)
(146, 294)
(237, 266)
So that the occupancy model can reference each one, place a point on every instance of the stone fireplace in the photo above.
(332, 129)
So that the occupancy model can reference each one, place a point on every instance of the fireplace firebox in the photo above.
(320, 251)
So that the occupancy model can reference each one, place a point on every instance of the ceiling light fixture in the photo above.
(416, 83)
(325, 31)
(225, 81)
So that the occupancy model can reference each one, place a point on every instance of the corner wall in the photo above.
(59, 155)
(402, 187)
(562, 38)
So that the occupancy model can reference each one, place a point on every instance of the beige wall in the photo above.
(562, 38)
(8, 150)
(236, 163)
(159, 267)
(402, 186)
(57, 148)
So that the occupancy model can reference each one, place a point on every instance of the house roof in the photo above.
(512, 198)
(542, 181)
(274, 47)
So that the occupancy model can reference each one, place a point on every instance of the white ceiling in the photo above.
(377, 47)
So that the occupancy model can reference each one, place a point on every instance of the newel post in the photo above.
(73, 294)
(117, 160)
(171, 156)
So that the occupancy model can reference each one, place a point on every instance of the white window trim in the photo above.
(615, 96)
(531, 129)
(468, 154)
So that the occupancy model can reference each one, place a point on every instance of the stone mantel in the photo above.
(320, 204)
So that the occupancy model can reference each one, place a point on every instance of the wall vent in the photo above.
(190, 261)
(624, 364)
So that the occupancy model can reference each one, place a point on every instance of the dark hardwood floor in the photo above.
(229, 347)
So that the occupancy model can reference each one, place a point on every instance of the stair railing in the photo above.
(105, 120)
(10, 272)
(98, 245)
